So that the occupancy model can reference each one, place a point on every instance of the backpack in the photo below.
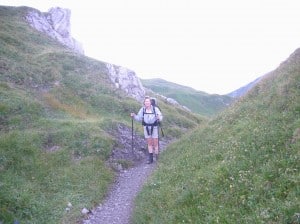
(156, 123)
(153, 102)
(154, 105)
(159, 123)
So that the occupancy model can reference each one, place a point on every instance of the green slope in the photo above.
(57, 112)
(197, 101)
(243, 167)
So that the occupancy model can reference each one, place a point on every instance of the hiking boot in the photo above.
(150, 160)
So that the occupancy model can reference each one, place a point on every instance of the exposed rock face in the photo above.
(174, 102)
(168, 100)
(126, 80)
(56, 24)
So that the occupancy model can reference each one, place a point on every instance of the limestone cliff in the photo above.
(56, 24)
(126, 80)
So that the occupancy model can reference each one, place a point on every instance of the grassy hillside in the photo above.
(197, 101)
(243, 167)
(57, 112)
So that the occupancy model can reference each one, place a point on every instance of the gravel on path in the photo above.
(118, 206)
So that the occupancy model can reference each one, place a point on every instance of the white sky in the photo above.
(214, 46)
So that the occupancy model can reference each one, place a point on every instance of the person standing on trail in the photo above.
(150, 116)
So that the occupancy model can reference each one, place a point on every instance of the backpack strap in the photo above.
(154, 110)
(146, 124)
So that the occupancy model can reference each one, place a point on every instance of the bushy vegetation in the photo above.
(57, 110)
(242, 167)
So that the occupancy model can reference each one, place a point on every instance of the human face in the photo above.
(147, 102)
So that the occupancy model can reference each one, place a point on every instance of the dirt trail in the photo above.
(118, 206)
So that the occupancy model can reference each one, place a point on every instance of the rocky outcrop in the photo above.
(174, 102)
(56, 24)
(167, 100)
(126, 80)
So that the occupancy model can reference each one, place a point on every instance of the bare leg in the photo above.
(150, 145)
(150, 150)
(156, 148)
(155, 143)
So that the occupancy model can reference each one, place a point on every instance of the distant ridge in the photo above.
(197, 101)
(244, 89)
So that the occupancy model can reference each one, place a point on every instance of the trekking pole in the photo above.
(132, 135)
(162, 132)
(158, 137)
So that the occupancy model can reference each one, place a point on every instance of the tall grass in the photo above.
(243, 167)
(36, 185)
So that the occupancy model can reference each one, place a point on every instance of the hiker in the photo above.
(150, 116)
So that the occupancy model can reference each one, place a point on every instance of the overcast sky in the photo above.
(213, 46)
